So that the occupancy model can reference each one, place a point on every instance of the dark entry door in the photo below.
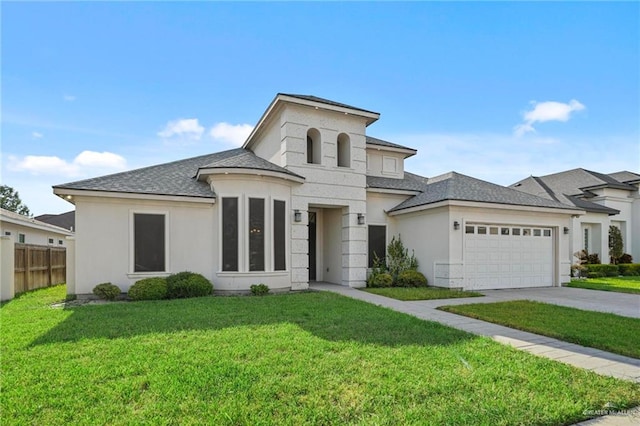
(312, 246)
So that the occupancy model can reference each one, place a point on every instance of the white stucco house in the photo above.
(27, 230)
(607, 199)
(310, 197)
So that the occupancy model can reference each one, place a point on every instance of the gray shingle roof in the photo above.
(455, 186)
(572, 187)
(326, 101)
(625, 176)
(175, 178)
(63, 220)
(410, 182)
(380, 142)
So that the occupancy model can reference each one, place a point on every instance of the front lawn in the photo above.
(420, 293)
(310, 358)
(600, 330)
(618, 284)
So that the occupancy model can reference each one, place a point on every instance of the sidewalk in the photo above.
(596, 360)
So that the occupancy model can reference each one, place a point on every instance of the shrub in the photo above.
(411, 278)
(383, 279)
(593, 259)
(188, 284)
(107, 291)
(398, 259)
(595, 275)
(603, 270)
(149, 289)
(625, 258)
(584, 258)
(259, 289)
(629, 269)
(615, 244)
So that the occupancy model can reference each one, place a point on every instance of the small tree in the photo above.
(10, 200)
(398, 259)
(616, 246)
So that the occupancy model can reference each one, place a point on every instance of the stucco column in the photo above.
(299, 248)
(7, 277)
(71, 265)
(354, 248)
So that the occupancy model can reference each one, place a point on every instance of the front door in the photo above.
(312, 246)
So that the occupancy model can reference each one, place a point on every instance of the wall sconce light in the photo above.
(566, 230)
(297, 216)
(456, 225)
(360, 219)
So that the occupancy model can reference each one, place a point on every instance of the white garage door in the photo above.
(507, 256)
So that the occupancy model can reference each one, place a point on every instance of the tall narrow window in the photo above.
(344, 150)
(377, 243)
(279, 244)
(21, 238)
(149, 242)
(256, 234)
(229, 234)
(586, 240)
(313, 147)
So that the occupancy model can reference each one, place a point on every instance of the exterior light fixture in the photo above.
(297, 216)
(360, 219)
(566, 230)
(456, 225)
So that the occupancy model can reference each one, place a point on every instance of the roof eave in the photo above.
(205, 171)
(479, 204)
(407, 151)
(69, 194)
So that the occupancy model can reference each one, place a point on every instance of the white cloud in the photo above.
(188, 128)
(36, 135)
(547, 111)
(69, 98)
(85, 163)
(231, 134)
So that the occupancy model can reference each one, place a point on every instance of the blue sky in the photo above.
(498, 91)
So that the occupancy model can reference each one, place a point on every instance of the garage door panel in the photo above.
(508, 257)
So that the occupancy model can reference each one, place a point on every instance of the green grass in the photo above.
(310, 358)
(420, 293)
(600, 330)
(618, 284)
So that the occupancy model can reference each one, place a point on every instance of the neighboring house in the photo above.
(63, 220)
(311, 197)
(26, 230)
(608, 199)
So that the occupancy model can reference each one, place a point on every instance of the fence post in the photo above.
(50, 272)
(7, 278)
(71, 265)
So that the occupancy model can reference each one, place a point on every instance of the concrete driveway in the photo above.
(624, 304)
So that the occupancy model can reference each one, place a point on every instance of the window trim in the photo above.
(265, 240)
(272, 205)
(239, 236)
(132, 247)
(343, 151)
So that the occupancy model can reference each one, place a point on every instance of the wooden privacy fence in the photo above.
(39, 266)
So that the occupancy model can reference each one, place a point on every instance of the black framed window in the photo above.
(229, 234)
(149, 242)
(377, 243)
(256, 234)
(279, 243)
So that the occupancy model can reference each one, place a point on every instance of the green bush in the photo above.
(625, 258)
(595, 275)
(383, 279)
(411, 278)
(629, 269)
(259, 289)
(149, 289)
(188, 284)
(107, 291)
(604, 270)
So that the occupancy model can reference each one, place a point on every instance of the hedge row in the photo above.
(626, 269)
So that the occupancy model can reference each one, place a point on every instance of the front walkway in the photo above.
(596, 360)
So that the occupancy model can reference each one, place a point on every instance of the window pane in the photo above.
(229, 234)
(149, 242)
(279, 246)
(536, 233)
(526, 232)
(504, 231)
(516, 231)
(482, 230)
(256, 234)
(493, 231)
(377, 243)
(547, 232)
(469, 229)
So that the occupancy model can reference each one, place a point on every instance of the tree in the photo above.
(616, 245)
(10, 200)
